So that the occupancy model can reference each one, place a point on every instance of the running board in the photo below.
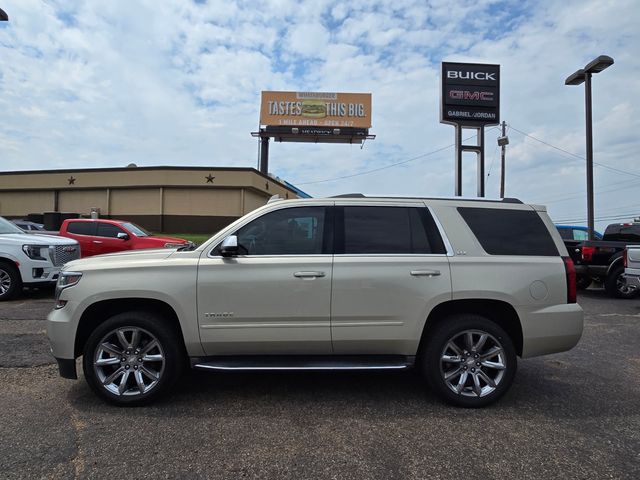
(303, 362)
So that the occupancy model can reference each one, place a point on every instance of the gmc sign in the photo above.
(470, 94)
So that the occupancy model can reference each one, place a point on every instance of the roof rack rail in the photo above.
(511, 200)
(274, 198)
(349, 195)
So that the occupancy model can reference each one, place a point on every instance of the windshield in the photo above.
(136, 230)
(7, 227)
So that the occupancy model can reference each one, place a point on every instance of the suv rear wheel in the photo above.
(132, 358)
(469, 361)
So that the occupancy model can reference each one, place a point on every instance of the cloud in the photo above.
(86, 84)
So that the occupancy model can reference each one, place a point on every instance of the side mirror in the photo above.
(123, 236)
(229, 246)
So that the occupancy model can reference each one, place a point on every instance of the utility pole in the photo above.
(503, 141)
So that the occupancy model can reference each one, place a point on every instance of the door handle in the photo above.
(425, 273)
(308, 274)
(97, 241)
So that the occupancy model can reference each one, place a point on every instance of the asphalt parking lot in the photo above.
(570, 415)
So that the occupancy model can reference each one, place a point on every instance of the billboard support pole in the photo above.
(264, 155)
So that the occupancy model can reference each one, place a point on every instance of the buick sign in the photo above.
(470, 94)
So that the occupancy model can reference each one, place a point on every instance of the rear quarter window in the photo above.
(81, 228)
(509, 232)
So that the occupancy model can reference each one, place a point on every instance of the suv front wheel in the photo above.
(132, 358)
(468, 360)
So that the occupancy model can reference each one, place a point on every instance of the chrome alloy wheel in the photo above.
(5, 282)
(129, 361)
(621, 286)
(473, 363)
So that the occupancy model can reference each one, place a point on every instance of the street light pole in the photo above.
(589, 130)
(578, 78)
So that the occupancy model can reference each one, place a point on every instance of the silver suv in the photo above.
(456, 288)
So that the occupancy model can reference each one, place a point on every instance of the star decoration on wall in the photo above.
(71, 180)
(209, 178)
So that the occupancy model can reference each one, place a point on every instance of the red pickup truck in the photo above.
(108, 236)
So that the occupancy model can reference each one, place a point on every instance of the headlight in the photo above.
(173, 245)
(34, 252)
(65, 280)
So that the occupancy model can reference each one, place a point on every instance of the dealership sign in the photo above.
(316, 110)
(470, 94)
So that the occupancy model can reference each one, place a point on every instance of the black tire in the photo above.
(451, 330)
(583, 282)
(10, 281)
(615, 286)
(137, 356)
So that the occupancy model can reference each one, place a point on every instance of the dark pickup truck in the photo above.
(602, 260)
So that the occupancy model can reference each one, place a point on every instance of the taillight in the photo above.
(587, 253)
(625, 258)
(570, 271)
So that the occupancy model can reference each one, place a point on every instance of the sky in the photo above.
(177, 82)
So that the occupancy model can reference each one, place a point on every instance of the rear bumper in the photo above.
(552, 329)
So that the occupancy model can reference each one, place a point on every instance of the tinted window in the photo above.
(390, 230)
(81, 228)
(509, 232)
(109, 230)
(290, 231)
(623, 232)
(566, 233)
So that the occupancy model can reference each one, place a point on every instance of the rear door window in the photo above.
(509, 232)
(81, 228)
(388, 230)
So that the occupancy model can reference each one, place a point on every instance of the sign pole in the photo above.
(480, 169)
(264, 155)
(503, 154)
(459, 151)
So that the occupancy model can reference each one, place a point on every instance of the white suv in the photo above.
(31, 260)
(458, 288)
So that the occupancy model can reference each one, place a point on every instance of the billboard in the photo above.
(470, 94)
(315, 110)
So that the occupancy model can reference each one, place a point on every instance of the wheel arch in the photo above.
(498, 311)
(100, 311)
(615, 263)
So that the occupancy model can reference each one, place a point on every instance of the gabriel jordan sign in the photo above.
(470, 94)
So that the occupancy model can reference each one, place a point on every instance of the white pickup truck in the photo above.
(31, 260)
(632, 266)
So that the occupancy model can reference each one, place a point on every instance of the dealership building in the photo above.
(161, 199)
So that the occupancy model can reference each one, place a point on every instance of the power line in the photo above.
(366, 172)
(564, 199)
(618, 170)
(599, 219)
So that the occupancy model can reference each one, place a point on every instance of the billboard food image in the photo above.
(316, 109)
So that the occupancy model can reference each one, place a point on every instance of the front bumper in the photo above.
(67, 368)
(61, 330)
